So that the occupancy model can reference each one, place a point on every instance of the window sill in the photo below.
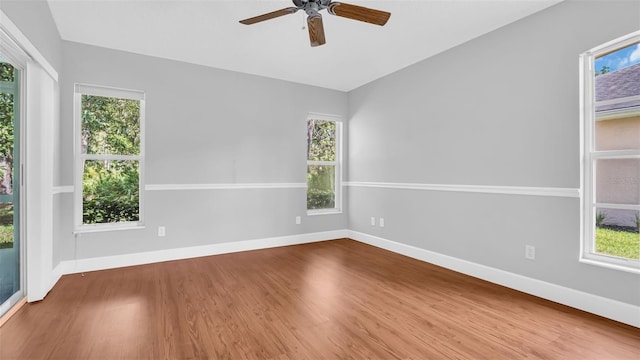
(324, 212)
(630, 266)
(106, 228)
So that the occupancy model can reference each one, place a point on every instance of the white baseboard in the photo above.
(111, 262)
(612, 309)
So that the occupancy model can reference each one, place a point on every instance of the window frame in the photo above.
(589, 155)
(337, 209)
(79, 158)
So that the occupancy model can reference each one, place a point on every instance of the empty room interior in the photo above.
(312, 179)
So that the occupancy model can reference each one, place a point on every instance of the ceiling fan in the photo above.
(314, 19)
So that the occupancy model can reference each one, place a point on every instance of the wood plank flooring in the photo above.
(329, 300)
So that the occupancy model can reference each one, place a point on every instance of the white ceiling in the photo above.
(207, 32)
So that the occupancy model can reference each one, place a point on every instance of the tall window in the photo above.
(323, 164)
(611, 89)
(109, 158)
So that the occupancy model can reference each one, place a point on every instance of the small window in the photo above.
(611, 116)
(109, 158)
(323, 164)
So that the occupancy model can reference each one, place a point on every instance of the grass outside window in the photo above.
(623, 243)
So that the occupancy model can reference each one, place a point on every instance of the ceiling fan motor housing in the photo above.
(311, 7)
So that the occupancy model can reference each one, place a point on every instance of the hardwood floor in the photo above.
(330, 300)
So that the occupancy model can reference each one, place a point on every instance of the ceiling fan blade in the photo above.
(359, 13)
(316, 30)
(268, 16)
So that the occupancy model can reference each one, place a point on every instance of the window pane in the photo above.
(321, 187)
(110, 191)
(321, 140)
(618, 181)
(6, 143)
(617, 233)
(110, 125)
(617, 112)
(7, 72)
(618, 133)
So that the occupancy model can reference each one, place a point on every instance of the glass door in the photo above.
(11, 289)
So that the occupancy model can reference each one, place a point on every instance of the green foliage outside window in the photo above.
(110, 125)
(321, 140)
(6, 226)
(110, 192)
(321, 146)
(320, 187)
(110, 188)
(6, 72)
(8, 75)
(6, 142)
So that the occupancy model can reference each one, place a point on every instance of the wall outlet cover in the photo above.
(530, 252)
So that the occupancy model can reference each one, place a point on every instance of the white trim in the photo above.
(613, 45)
(616, 206)
(616, 100)
(237, 186)
(14, 54)
(617, 114)
(170, 187)
(489, 189)
(112, 157)
(326, 117)
(63, 268)
(611, 262)
(321, 163)
(104, 91)
(609, 308)
(38, 179)
(110, 262)
(584, 66)
(62, 189)
(11, 29)
(615, 154)
(106, 227)
(332, 211)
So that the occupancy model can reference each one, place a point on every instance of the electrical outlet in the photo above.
(530, 252)
(381, 222)
(373, 221)
(298, 220)
(161, 231)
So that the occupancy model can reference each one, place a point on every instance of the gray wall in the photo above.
(34, 19)
(203, 126)
(499, 110)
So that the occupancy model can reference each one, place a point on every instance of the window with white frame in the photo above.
(109, 158)
(611, 181)
(323, 164)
